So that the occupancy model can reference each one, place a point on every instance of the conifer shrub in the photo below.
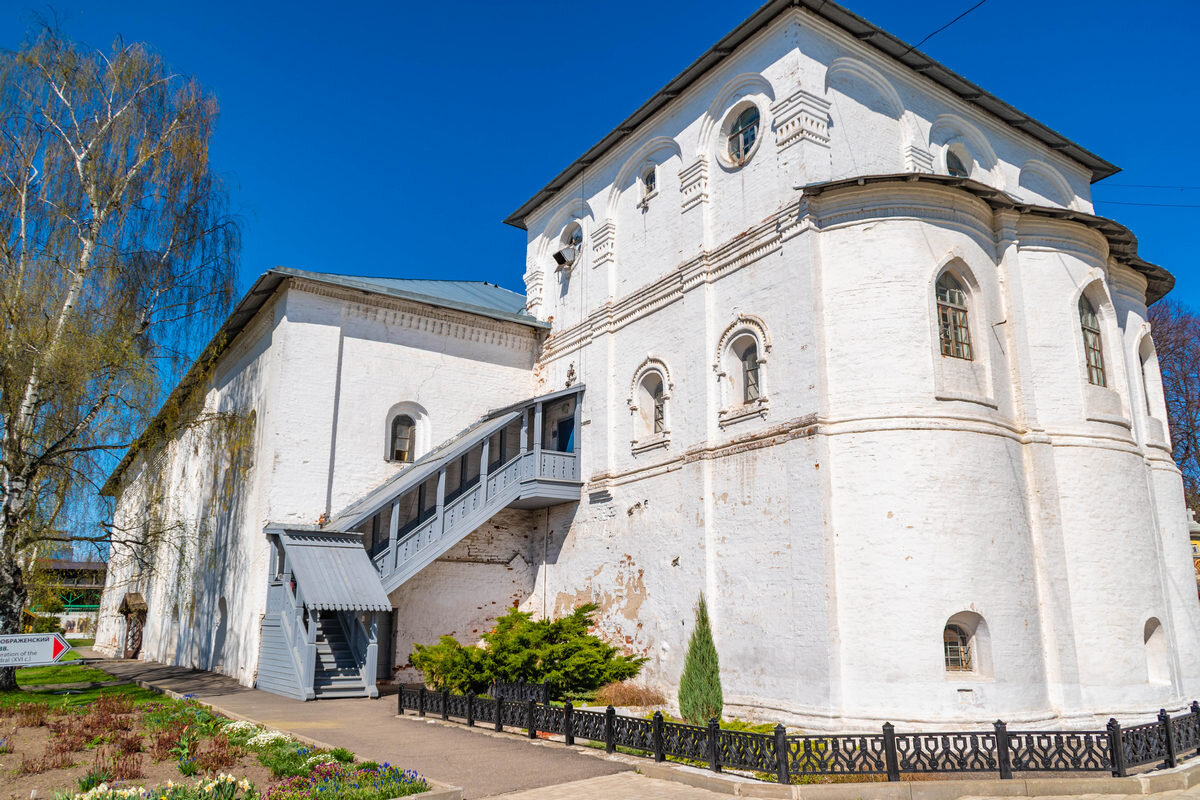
(700, 697)
(560, 652)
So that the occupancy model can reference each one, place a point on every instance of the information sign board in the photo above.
(31, 649)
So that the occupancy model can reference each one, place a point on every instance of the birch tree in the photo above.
(116, 256)
(1176, 330)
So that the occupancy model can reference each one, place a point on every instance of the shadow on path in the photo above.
(482, 764)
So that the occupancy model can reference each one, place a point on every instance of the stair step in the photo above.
(333, 693)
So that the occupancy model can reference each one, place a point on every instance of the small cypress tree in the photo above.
(700, 696)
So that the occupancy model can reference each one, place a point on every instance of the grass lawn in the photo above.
(75, 699)
(81, 642)
(60, 673)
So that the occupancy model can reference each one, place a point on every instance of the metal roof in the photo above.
(473, 297)
(333, 571)
(1122, 244)
(867, 33)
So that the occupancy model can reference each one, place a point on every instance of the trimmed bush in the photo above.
(700, 697)
(560, 652)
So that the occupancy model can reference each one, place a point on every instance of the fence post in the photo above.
(471, 708)
(546, 693)
(1164, 719)
(421, 701)
(569, 723)
(499, 713)
(531, 718)
(656, 736)
(782, 770)
(445, 704)
(1003, 755)
(1196, 722)
(714, 745)
(1116, 745)
(610, 730)
(889, 752)
(400, 702)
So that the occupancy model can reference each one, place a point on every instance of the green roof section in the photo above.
(474, 297)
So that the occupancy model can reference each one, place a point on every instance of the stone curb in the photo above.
(1184, 776)
(437, 790)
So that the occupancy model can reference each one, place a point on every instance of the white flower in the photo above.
(267, 737)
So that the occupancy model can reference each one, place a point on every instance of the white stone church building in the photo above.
(822, 331)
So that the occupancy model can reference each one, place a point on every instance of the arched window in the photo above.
(1151, 377)
(742, 135)
(749, 359)
(1157, 668)
(955, 165)
(649, 182)
(401, 449)
(1092, 349)
(954, 330)
(957, 646)
(651, 407)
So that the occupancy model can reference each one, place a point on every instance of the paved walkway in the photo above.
(483, 764)
(623, 786)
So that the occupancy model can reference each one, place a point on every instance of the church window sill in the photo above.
(755, 409)
(655, 442)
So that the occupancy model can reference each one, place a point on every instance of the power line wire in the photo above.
(1145, 186)
(939, 30)
(1150, 205)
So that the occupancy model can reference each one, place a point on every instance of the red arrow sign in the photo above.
(30, 649)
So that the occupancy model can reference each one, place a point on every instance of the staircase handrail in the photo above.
(424, 468)
(301, 645)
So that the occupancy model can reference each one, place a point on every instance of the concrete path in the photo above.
(483, 764)
(624, 786)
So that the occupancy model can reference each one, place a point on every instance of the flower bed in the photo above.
(117, 743)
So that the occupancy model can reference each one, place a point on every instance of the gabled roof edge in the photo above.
(866, 32)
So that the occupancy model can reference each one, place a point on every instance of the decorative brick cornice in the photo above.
(917, 159)
(604, 240)
(427, 318)
(693, 184)
(801, 116)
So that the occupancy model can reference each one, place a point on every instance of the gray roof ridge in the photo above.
(866, 32)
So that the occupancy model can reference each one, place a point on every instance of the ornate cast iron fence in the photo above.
(521, 691)
(999, 750)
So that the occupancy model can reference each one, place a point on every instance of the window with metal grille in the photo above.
(957, 645)
(649, 182)
(1092, 348)
(742, 134)
(953, 329)
(659, 410)
(750, 373)
(402, 438)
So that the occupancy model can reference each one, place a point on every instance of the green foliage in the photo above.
(700, 697)
(45, 623)
(449, 665)
(93, 777)
(67, 673)
(188, 767)
(340, 782)
(560, 652)
(342, 754)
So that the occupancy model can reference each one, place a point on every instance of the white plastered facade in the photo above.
(872, 492)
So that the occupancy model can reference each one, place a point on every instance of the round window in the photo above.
(742, 136)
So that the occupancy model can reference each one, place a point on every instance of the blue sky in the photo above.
(362, 138)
